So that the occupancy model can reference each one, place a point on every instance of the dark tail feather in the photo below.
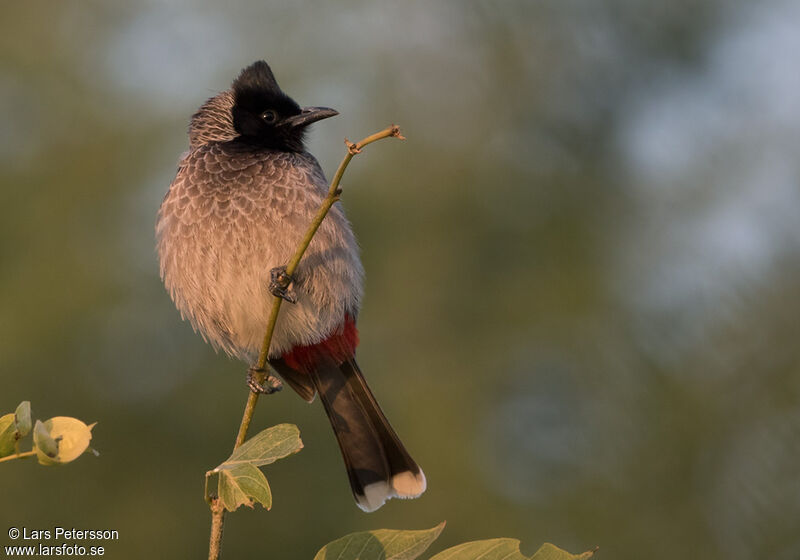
(377, 463)
(297, 380)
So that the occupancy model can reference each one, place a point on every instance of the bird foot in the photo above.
(282, 285)
(270, 385)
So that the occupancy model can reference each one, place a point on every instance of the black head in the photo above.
(266, 117)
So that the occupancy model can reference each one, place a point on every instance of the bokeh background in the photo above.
(582, 308)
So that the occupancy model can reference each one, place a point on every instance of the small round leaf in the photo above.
(45, 444)
(61, 439)
(22, 418)
(8, 435)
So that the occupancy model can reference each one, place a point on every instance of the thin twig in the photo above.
(217, 508)
(217, 518)
(23, 455)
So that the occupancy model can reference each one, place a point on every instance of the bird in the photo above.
(243, 196)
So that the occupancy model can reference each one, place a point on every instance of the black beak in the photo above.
(309, 115)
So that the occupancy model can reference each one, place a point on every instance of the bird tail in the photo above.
(378, 465)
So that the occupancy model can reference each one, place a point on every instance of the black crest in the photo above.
(257, 79)
(260, 106)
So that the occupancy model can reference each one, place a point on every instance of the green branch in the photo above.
(259, 370)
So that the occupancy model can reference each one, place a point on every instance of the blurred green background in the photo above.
(583, 269)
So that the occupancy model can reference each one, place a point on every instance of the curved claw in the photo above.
(281, 284)
(271, 385)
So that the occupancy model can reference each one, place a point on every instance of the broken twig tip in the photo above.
(396, 132)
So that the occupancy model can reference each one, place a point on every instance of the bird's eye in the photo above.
(269, 116)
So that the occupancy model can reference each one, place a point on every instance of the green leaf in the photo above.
(22, 418)
(492, 549)
(240, 481)
(382, 544)
(243, 485)
(61, 439)
(8, 435)
(552, 552)
(45, 444)
(266, 447)
(504, 549)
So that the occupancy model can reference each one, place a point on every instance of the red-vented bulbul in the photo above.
(244, 195)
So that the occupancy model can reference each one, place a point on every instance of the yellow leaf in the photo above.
(70, 435)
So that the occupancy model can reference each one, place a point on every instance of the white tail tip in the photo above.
(405, 485)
